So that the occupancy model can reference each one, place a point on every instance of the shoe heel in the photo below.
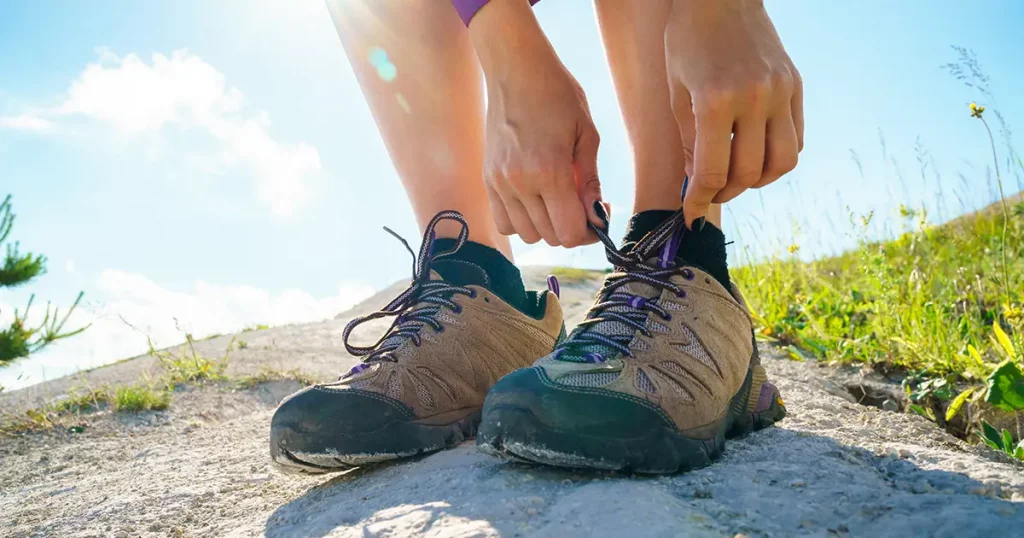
(757, 405)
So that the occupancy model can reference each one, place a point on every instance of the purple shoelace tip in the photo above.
(553, 286)
(637, 302)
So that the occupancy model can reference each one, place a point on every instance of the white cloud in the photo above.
(26, 122)
(158, 312)
(184, 92)
(591, 256)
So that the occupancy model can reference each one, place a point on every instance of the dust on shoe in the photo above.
(421, 387)
(662, 370)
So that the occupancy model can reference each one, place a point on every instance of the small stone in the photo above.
(532, 511)
(702, 493)
(922, 486)
(798, 483)
(890, 405)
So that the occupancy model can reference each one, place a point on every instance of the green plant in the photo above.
(1001, 440)
(20, 340)
(569, 275)
(266, 375)
(141, 397)
(257, 327)
(82, 399)
(189, 365)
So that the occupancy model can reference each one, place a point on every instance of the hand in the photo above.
(540, 160)
(737, 97)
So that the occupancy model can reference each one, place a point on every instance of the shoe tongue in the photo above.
(459, 273)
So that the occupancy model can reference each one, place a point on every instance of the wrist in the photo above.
(508, 39)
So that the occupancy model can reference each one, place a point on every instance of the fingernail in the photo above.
(686, 183)
(697, 224)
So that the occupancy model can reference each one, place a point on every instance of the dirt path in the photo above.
(201, 469)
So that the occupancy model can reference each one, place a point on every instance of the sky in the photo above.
(204, 166)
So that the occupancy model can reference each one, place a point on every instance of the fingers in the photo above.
(712, 149)
(538, 214)
(682, 106)
(568, 216)
(501, 219)
(518, 216)
(746, 159)
(797, 108)
(588, 184)
(781, 148)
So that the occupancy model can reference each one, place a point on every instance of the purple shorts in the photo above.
(468, 8)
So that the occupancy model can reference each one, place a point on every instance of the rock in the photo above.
(830, 468)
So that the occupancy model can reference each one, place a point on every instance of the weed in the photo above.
(267, 375)
(135, 398)
(189, 365)
(257, 327)
(570, 275)
(82, 399)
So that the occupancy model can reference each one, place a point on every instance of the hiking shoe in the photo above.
(661, 371)
(420, 388)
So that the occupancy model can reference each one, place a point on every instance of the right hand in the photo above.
(540, 160)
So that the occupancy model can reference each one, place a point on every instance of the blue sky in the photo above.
(214, 162)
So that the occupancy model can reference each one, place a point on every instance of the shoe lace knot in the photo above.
(416, 307)
(611, 323)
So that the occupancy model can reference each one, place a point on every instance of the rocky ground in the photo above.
(200, 468)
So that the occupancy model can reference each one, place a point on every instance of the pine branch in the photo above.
(20, 340)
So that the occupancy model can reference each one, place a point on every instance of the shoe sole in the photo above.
(662, 451)
(416, 439)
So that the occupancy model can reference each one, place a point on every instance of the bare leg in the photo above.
(634, 40)
(420, 76)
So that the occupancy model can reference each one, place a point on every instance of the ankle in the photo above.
(704, 249)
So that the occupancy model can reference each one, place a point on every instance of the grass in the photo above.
(191, 366)
(183, 366)
(939, 305)
(571, 275)
(135, 398)
(267, 375)
(179, 368)
(915, 303)
(82, 400)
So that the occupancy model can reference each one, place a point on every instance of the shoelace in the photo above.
(417, 306)
(594, 340)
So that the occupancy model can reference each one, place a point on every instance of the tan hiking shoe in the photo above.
(662, 370)
(421, 387)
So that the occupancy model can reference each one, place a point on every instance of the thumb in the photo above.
(588, 184)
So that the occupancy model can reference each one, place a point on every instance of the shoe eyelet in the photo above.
(487, 299)
(472, 294)
(457, 309)
(688, 274)
(441, 330)
(668, 317)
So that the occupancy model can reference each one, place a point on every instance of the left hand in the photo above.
(737, 97)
